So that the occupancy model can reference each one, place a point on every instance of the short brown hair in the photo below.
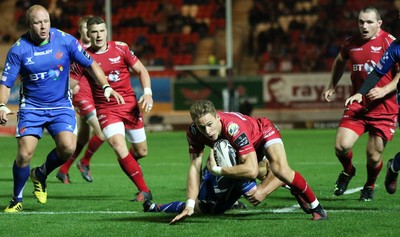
(202, 107)
(95, 20)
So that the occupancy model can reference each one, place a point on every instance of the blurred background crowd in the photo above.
(270, 35)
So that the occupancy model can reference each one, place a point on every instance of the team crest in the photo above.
(233, 128)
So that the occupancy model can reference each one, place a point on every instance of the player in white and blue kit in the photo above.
(42, 58)
(217, 194)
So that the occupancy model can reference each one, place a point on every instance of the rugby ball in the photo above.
(224, 153)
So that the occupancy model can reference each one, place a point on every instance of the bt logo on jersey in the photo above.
(37, 76)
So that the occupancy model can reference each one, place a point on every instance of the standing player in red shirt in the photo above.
(377, 115)
(84, 105)
(116, 121)
(253, 139)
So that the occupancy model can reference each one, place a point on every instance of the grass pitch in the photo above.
(103, 208)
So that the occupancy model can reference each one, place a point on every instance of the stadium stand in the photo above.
(269, 35)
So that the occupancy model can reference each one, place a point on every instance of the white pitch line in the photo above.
(72, 212)
(289, 209)
(296, 207)
(353, 190)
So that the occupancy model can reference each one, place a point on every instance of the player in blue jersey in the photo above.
(217, 194)
(42, 58)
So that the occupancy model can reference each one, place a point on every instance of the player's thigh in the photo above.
(65, 143)
(348, 133)
(277, 158)
(137, 139)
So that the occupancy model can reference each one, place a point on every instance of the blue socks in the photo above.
(52, 162)
(173, 207)
(21, 175)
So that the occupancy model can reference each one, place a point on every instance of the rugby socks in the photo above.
(94, 144)
(20, 175)
(372, 175)
(300, 186)
(347, 162)
(173, 207)
(133, 171)
(65, 167)
(396, 163)
(52, 162)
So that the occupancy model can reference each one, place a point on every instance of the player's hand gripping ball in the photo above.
(224, 153)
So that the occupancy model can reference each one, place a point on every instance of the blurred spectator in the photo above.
(212, 61)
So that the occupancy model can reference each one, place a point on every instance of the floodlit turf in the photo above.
(103, 208)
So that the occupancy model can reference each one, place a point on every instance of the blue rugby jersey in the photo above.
(44, 69)
(389, 58)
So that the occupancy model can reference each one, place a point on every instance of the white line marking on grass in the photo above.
(296, 207)
(72, 212)
(353, 190)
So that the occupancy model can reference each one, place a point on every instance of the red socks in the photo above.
(372, 175)
(300, 186)
(347, 163)
(133, 171)
(94, 144)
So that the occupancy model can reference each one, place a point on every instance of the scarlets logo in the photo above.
(59, 55)
(233, 128)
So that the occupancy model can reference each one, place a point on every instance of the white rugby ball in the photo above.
(224, 153)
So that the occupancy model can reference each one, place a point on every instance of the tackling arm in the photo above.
(246, 169)
(192, 186)
(269, 183)
(380, 92)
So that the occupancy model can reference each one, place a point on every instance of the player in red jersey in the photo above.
(84, 105)
(118, 121)
(377, 115)
(253, 139)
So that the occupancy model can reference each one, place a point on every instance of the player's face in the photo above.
(98, 36)
(84, 33)
(368, 24)
(209, 126)
(39, 25)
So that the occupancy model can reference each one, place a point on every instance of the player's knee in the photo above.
(141, 153)
(24, 158)
(66, 151)
(342, 149)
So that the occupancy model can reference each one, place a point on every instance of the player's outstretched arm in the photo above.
(192, 186)
(185, 213)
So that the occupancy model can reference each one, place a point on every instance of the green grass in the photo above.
(102, 208)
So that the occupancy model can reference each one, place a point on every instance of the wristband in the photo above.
(4, 108)
(106, 86)
(217, 170)
(190, 203)
(147, 91)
